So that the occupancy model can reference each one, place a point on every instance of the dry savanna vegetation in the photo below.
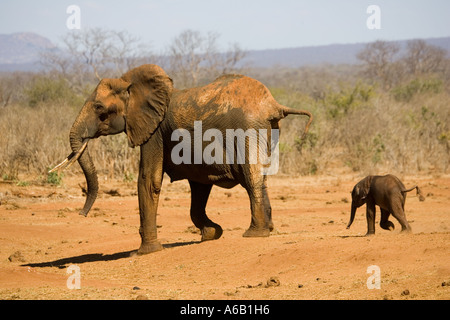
(388, 114)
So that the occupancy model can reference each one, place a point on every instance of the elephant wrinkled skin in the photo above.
(144, 104)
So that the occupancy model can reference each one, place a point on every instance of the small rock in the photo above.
(16, 257)
(445, 283)
(136, 288)
(300, 286)
(405, 292)
(142, 297)
(273, 282)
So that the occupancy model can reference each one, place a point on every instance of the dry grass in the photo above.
(357, 127)
(381, 135)
(36, 139)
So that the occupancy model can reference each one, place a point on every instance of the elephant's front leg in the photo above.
(370, 215)
(149, 188)
(384, 222)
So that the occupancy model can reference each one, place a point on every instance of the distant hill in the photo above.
(327, 54)
(20, 52)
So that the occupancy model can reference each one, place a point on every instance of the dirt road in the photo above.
(309, 255)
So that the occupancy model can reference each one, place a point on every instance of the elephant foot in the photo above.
(253, 232)
(370, 233)
(149, 247)
(212, 232)
(388, 225)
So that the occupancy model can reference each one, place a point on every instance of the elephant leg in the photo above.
(370, 215)
(384, 222)
(259, 226)
(199, 197)
(267, 207)
(149, 188)
(399, 213)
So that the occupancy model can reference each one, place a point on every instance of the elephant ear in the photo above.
(365, 187)
(149, 97)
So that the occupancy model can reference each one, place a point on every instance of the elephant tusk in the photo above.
(70, 159)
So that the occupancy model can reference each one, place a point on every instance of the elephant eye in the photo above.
(98, 107)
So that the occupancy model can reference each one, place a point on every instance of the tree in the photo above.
(422, 58)
(195, 58)
(379, 57)
(96, 53)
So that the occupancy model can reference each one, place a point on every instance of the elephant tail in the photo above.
(287, 111)
(418, 192)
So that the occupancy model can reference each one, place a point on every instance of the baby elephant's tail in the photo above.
(418, 192)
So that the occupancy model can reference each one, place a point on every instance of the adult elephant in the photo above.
(154, 115)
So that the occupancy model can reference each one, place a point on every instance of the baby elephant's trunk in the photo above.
(418, 192)
(352, 215)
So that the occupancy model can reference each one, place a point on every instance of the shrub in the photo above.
(44, 90)
(417, 86)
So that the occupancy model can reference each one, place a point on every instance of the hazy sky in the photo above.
(254, 24)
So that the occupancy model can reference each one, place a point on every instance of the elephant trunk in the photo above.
(77, 143)
(352, 215)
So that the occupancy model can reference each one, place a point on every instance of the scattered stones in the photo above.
(273, 282)
(446, 283)
(16, 257)
(192, 229)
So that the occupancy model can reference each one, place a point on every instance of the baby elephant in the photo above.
(389, 193)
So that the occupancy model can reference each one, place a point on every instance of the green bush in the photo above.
(48, 90)
(341, 102)
(408, 91)
(54, 178)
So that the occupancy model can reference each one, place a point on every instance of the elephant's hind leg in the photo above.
(267, 206)
(199, 197)
(399, 214)
(261, 223)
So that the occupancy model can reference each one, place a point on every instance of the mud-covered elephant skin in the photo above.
(144, 104)
(387, 192)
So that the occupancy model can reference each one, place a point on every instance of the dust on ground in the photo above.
(309, 255)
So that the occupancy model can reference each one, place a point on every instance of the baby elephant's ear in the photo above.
(149, 99)
(365, 186)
